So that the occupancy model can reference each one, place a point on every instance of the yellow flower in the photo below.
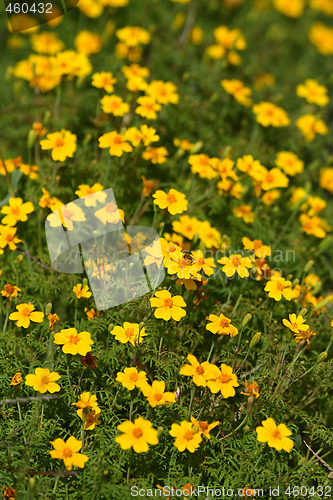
(174, 201)
(313, 92)
(163, 92)
(88, 42)
(131, 378)
(304, 335)
(155, 394)
(7, 237)
(10, 291)
(203, 264)
(43, 380)
(326, 179)
(289, 163)
(86, 403)
(68, 452)
(156, 155)
(110, 213)
(310, 125)
(270, 114)
(325, 6)
(252, 389)
(201, 372)
(147, 107)
(92, 420)
(81, 292)
(244, 212)
(275, 436)
(25, 314)
(203, 165)
(17, 379)
(321, 37)
(291, 9)
(236, 263)
(47, 202)
(278, 287)
(85, 190)
(295, 323)
(204, 427)
(66, 215)
(313, 225)
(16, 211)
(261, 251)
(133, 35)
(104, 80)
(223, 380)
(114, 105)
(116, 143)
(221, 325)
(53, 319)
(62, 144)
(168, 307)
(73, 342)
(129, 332)
(237, 89)
(137, 435)
(186, 437)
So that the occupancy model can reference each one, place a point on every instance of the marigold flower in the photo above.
(116, 143)
(275, 435)
(9, 492)
(47, 202)
(7, 237)
(53, 319)
(236, 263)
(10, 291)
(163, 92)
(261, 251)
(203, 165)
(133, 35)
(16, 211)
(62, 144)
(252, 389)
(321, 37)
(86, 403)
(310, 125)
(129, 332)
(81, 292)
(66, 215)
(92, 420)
(113, 104)
(313, 92)
(278, 287)
(156, 395)
(270, 114)
(109, 214)
(174, 201)
(131, 378)
(289, 163)
(291, 9)
(201, 372)
(89, 361)
(313, 225)
(204, 427)
(203, 264)
(25, 314)
(210, 236)
(295, 323)
(96, 190)
(156, 155)
(137, 435)
(147, 108)
(88, 42)
(73, 342)
(304, 336)
(326, 179)
(168, 307)
(244, 212)
(104, 80)
(17, 379)
(68, 452)
(223, 380)
(186, 437)
(237, 89)
(221, 325)
(43, 380)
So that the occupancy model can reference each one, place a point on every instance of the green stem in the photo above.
(6, 322)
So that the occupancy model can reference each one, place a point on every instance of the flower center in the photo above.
(280, 286)
(203, 426)
(224, 378)
(137, 433)
(276, 434)
(188, 435)
(59, 142)
(74, 338)
(199, 370)
(168, 303)
(236, 261)
(171, 198)
(67, 452)
(15, 210)
(133, 377)
(224, 323)
(45, 380)
(26, 311)
(129, 332)
(111, 207)
(118, 139)
(158, 397)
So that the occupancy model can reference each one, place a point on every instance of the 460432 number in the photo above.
(24, 8)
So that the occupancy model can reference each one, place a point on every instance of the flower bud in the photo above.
(255, 339)
(308, 266)
(324, 302)
(31, 139)
(48, 309)
(197, 146)
(303, 312)
(195, 429)
(247, 319)
(31, 482)
(160, 430)
(322, 356)
(47, 117)
(296, 282)
(110, 327)
(84, 282)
